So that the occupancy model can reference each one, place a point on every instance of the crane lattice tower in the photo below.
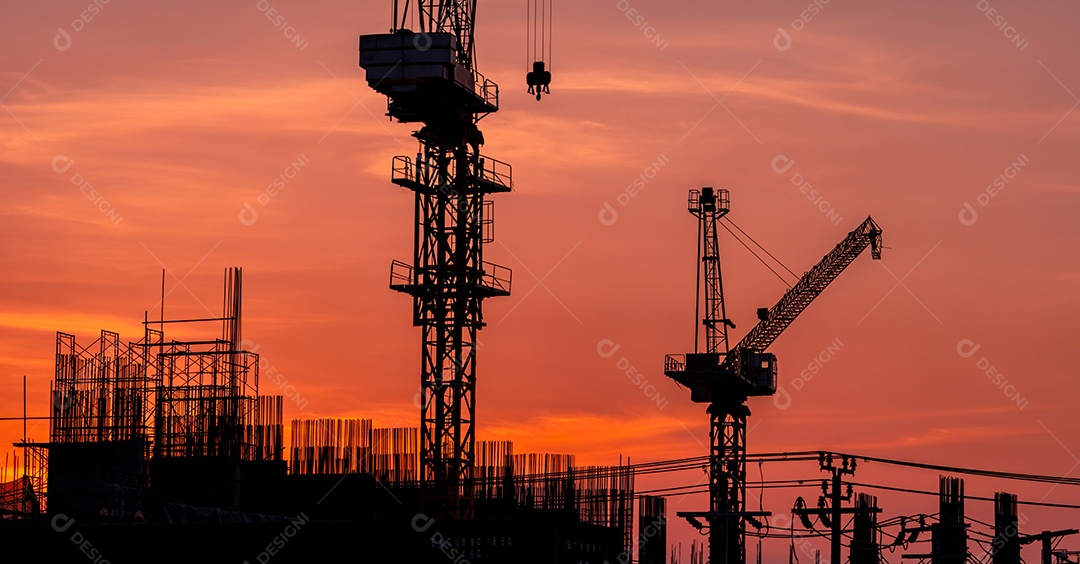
(430, 78)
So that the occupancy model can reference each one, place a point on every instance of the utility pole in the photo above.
(830, 511)
(1047, 539)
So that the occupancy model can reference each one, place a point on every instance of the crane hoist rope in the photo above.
(538, 24)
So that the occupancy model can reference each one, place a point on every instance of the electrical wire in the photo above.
(971, 497)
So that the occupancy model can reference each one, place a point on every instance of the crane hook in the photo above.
(538, 80)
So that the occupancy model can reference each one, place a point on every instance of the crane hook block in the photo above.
(538, 80)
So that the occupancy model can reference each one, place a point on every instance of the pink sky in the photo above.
(177, 116)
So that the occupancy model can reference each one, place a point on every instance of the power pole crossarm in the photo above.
(780, 316)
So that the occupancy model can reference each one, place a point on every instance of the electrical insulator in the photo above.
(900, 536)
(824, 517)
(801, 504)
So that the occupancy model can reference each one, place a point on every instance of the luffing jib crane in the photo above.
(724, 377)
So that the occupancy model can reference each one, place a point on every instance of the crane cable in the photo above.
(736, 237)
(761, 247)
(538, 14)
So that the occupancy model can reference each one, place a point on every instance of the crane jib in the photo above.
(796, 299)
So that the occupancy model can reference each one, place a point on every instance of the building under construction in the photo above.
(165, 449)
(159, 439)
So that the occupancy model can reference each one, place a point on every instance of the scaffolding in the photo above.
(111, 400)
(207, 395)
(100, 392)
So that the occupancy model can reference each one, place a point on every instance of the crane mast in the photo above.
(429, 78)
(455, 16)
(725, 377)
(709, 207)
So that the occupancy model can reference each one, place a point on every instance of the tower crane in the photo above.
(429, 77)
(724, 376)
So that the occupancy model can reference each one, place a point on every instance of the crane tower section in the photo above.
(429, 78)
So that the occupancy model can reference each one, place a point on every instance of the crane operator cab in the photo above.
(539, 80)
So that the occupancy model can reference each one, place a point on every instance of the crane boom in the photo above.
(809, 287)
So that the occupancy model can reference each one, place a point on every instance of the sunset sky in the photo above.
(133, 135)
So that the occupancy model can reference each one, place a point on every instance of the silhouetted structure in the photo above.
(1005, 548)
(1046, 540)
(864, 539)
(652, 530)
(724, 376)
(195, 401)
(949, 536)
(430, 78)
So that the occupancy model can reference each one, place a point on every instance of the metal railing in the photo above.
(675, 363)
(401, 274)
(403, 169)
(495, 172)
(497, 277)
(486, 89)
